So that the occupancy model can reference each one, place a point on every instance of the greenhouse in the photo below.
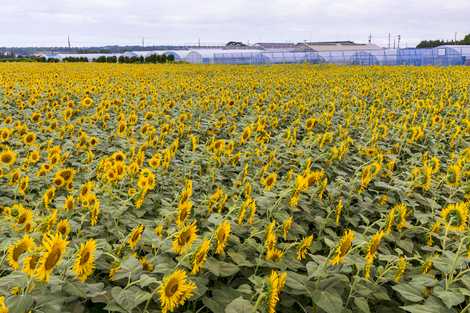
(241, 57)
(207, 56)
(443, 56)
(178, 55)
(431, 56)
(293, 57)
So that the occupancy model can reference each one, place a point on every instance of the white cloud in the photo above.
(91, 22)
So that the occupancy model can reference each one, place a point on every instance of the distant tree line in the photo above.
(436, 43)
(154, 58)
(75, 59)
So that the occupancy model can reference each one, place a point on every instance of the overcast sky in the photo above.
(101, 22)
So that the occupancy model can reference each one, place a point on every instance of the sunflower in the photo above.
(48, 196)
(146, 264)
(401, 268)
(155, 161)
(454, 175)
(29, 264)
(338, 211)
(29, 138)
(184, 211)
(85, 260)
(58, 181)
(286, 226)
(35, 117)
(274, 254)
(69, 203)
(15, 250)
(276, 283)
(374, 244)
(23, 185)
(85, 189)
(200, 256)
(402, 214)
(270, 237)
(66, 174)
(390, 220)
(51, 220)
(456, 216)
(175, 290)
(5, 134)
(222, 234)
(372, 248)
(343, 247)
(86, 102)
(135, 236)
(93, 141)
(3, 306)
(159, 230)
(310, 124)
(245, 135)
(304, 246)
(24, 216)
(8, 157)
(184, 238)
(63, 227)
(269, 181)
(54, 249)
(14, 177)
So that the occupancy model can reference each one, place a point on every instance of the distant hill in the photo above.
(436, 43)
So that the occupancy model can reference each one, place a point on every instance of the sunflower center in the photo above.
(85, 257)
(22, 218)
(6, 158)
(52, 258)
(62, 229)
(135, 236)
(33, 262)
(184, 237)
(171, 288)
(18, 251)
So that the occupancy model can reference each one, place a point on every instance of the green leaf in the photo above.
(239, 305)
(450, 298)
(213, 305)
(425, 308)
(15, 279)
(220, 268)
(128, 267)
(362, 304)
(129, 298)
(408, 292)
(146, 280)
(296, 281)
(328, 301)
(20, 304)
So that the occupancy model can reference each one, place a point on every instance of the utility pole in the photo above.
(370, 38)
(389, 41)
(68, 41)
(399, 38)
(143, 42)
(394, 41)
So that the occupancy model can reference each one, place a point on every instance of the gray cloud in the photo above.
(93, 22)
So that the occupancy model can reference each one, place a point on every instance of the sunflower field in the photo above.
(186, 188)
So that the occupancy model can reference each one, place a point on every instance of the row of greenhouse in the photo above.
(444, 55)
